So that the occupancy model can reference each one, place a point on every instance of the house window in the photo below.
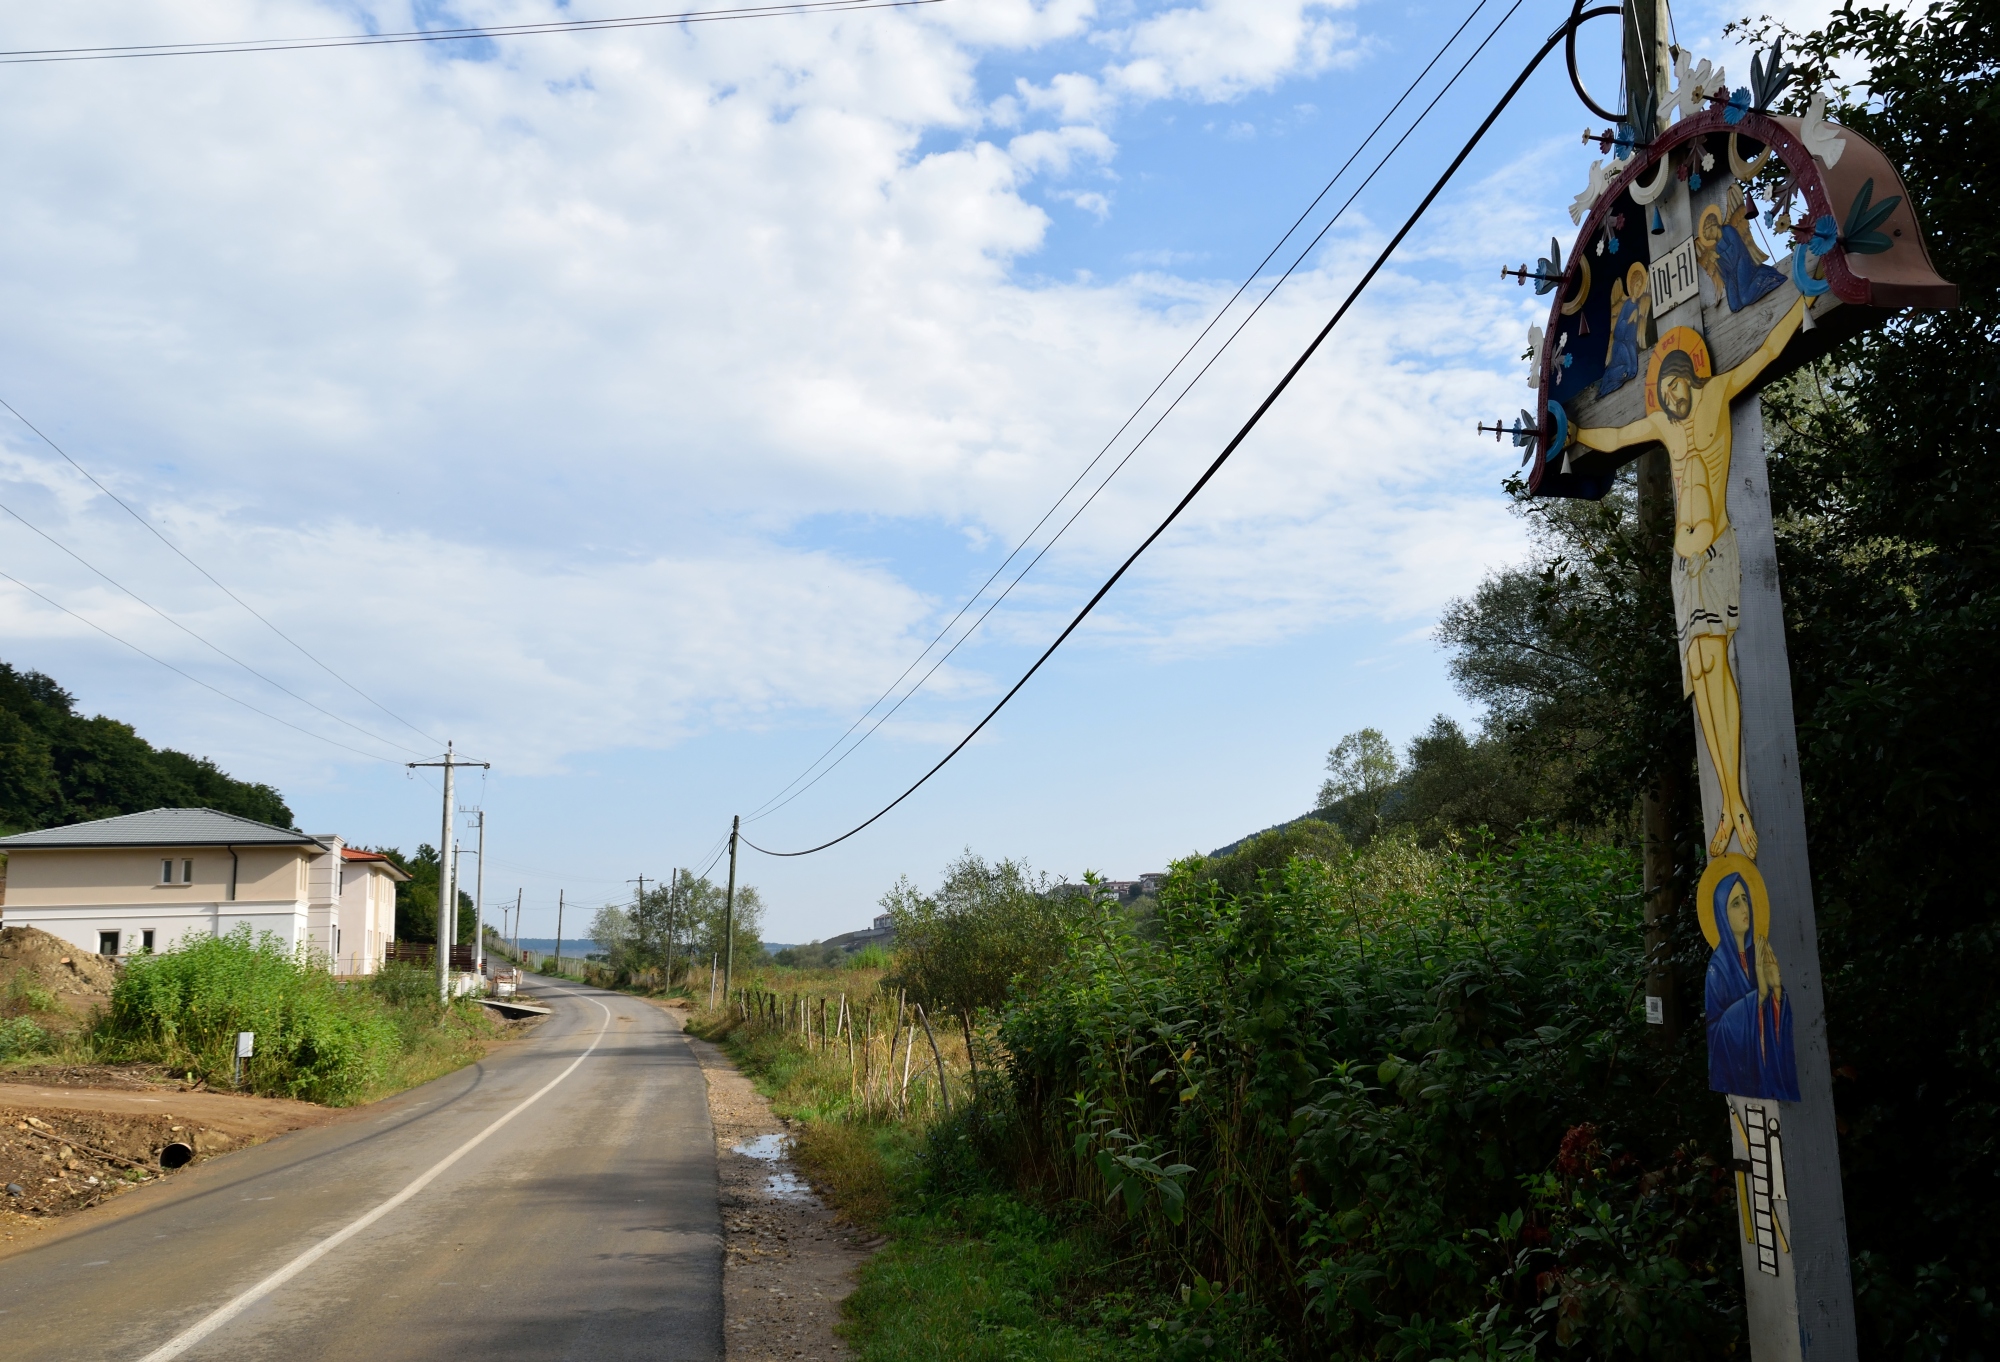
(167, 871)
(107, 943)
(187, 872)
(146, 941)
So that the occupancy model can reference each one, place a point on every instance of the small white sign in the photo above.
(1656, 1011)
(246, 1042)
(1674, 278)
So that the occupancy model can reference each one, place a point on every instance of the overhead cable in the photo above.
(770, 808)
(130, 51)
(1577, 15)
(212, 647)
(196, 679)
(182, 553)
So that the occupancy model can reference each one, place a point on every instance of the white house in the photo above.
(141, 882)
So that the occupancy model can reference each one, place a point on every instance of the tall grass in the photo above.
(317, 1037)
(1397, 1104)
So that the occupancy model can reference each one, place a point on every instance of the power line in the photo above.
(212, 647)
(440, 35)
(211, 576)
(769, 808)
(1577, 15)
(196, 679)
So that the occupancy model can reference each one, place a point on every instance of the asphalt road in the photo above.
(555, 1202)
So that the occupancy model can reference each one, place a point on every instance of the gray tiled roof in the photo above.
(159, 828)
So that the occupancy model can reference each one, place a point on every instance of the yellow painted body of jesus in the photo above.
(1687, 410)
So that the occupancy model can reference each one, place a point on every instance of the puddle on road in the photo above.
(782, 1185)
(769, 1148)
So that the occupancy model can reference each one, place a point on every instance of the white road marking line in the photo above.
(195, 1333)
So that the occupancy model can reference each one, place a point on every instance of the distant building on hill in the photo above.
(880, 934)
(144, 881)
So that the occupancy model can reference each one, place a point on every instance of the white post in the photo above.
(479, 904)
(447, 886)
(1798, 1294)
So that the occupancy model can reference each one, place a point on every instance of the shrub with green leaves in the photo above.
(317, 1038)
(19, 1036)
(1395, 1104)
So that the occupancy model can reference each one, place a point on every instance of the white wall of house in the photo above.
(85, 925)
(365, 916)
(172, 892)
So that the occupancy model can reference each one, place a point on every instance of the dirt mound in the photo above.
(44, 973)
(55, 1162)
(64, 1149)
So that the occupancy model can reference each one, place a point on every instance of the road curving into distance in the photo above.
(557, 1201)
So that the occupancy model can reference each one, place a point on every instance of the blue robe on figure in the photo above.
(1749, 1043)
(1623, 366)
(1744, 281)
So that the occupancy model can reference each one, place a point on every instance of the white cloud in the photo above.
(1218, 51)
(1055, 150)
(1070, 96)
(538, 372)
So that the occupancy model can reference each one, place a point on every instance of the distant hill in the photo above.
(1318, 815)
(57, 767)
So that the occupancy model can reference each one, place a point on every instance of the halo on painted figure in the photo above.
(1732, 863)
(1687, 341)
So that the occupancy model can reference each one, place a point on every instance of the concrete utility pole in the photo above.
(729, 910)
(638, 904)
(673, 889)
(559, 911)
(479, 903)
(517, 925)
(447, 879)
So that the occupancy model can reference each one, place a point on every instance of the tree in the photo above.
(1363, 771)
(989, 930)
(57, 767)
(690, 909)
(417, 901)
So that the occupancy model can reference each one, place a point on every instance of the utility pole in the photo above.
(447, 892)
(517, 926)
(1660, 800)
(638, 904)
(673, 889)
(479, 903)
(559, 911)
(729, 910)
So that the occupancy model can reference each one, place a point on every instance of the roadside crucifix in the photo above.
(1668, 314)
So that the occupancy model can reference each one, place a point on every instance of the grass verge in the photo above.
(971, 1271)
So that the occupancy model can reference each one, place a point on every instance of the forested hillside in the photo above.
(57, 766)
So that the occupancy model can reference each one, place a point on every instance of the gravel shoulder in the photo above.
(788, 1260)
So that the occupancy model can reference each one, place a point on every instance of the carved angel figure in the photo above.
(1631, 316)
(1729, 253)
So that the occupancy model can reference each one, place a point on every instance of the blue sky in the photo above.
(631, 407)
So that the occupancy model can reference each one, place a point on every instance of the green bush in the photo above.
(405, 984)
(1397, 1104)
(19, 1036)
(317, 1038)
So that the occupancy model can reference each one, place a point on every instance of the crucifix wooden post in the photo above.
(1672, 308)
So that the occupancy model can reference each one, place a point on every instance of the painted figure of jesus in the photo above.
(1687, 410)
